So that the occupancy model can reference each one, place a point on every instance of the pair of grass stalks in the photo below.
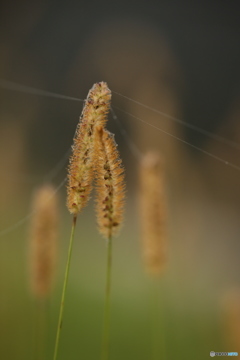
(95, 158)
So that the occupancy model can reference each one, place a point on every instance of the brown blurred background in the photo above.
(181, 58)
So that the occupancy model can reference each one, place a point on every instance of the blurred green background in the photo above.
(179, 58)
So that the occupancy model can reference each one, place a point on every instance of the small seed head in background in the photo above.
(43, 241)
(153, 213)
(231, 319)
(80, 175)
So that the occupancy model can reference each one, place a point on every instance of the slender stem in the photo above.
(60, 319)
(41, 329)
(155, 321)
(158, 328)
(39, 335)
(106, 319)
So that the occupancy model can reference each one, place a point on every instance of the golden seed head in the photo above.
(43, 236)
(231, 320)
(109, 183)
(153, 213)
(80, 173)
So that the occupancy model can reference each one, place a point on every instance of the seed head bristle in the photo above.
(110, 185)
(153, 213)
(43, 237)
(80, 169)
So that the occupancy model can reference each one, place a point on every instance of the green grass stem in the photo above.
(158, 322)
(40, 317)
(60, 319)
(106, 318)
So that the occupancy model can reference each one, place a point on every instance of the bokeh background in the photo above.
(181, 58)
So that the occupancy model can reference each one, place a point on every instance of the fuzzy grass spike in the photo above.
(110, 184)
(80, 171)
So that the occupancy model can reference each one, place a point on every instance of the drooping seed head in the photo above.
(80, 173)
(43, 236)
(110, 185)
(153, 213)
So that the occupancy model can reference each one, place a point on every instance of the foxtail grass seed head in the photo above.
(153, 213)
(80, 173)
(231, 318)
(43, 236)
(110, 185)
